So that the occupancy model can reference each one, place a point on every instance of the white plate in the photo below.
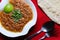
(27, 26)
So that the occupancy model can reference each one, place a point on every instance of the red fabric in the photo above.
(42, 18)
(0, 0)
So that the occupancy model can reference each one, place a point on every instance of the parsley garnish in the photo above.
(16, 15)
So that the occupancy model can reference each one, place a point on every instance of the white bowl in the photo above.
(4, 2)
(27, 26)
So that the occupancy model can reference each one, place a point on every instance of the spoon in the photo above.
(47, 34)
(48, 26)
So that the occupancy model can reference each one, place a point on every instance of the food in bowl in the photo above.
(16, 19)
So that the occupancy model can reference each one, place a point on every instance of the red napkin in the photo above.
(42, 18)
(0, 0)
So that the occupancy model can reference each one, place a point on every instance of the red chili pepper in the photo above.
(0, 1)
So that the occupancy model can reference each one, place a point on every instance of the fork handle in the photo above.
(30, 37)
(43, 37)
(46, 35)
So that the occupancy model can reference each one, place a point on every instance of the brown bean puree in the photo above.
(8, 22)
